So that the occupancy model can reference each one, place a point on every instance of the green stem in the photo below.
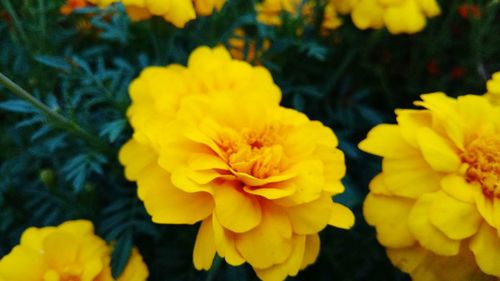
(57, 118)
(215, 268)
(17, 23)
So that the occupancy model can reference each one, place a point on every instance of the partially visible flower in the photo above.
(72, 5)
(399, 16)
(493, 87)
(269, 12)
(213, 146)
(436, 204)
(70, 251)
(242, 49)
(333, 9)
(178, 12)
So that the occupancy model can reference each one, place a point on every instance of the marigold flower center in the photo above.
(483, 159)
(255, 152)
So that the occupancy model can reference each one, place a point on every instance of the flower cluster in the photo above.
(249, 50)
(436, 204)
(178, 12)
(72, 5)
(212, 145)
(67, 252)
(398, 16)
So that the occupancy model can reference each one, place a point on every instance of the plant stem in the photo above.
(55, 117)
(215, 268)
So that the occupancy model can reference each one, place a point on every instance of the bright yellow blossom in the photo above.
(493, 87)
(212, 145)
(399, 16)
(178, 12)
(269, 12)
(436, 204)
(69, 252)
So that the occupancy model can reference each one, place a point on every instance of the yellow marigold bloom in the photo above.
(213, 146)
(493, 87)
(333, 9)
(399, 16)
(178, 12)
(436, 204)
(72, 5)
(68, 252)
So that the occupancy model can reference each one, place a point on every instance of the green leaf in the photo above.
(121, 254)
(54, 62)
(19, 106)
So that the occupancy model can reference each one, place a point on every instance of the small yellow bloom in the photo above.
(68, 252)
(242, 49)
(213, 146)
(436, 204)
(399, 16)
(493, 87)
(269, 12)
(178, 12)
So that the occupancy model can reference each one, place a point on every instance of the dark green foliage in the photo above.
(350, 80)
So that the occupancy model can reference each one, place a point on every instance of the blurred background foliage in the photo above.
(80, 67)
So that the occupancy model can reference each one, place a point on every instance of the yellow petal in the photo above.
(136, 269)
(311, 217)
(273, 190)
(389, 215)
(189, 180)
(409, 177)
(288, 268)
(225, 244)
(427, 234)
(496, 214)
(386, 141)
(166, 203)
(204, 247)
(407, 259)
(456, 219)
(341, 216)
(485, 207)
(135, 157)
(486, 248)
(270, 242)
(437, 151)
(60, 249)
(457, 187)
(236, 210)
(410, 121)
(15, 265)
(311, 251)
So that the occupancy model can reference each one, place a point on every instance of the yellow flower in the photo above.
(178, 12)
(493, 87)
(67, 252)
(437, 200)
(333, 9)
(269, 11)
(213, 146)
(399, 16)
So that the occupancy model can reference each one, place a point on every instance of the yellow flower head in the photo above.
(437, 200)
(333, 9)
(178, 12)
(69, 252)
(248, 50)
(399, 16)
(212, 145)
(493, 87)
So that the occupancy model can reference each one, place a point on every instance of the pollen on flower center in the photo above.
(254, 152)
(483, 159)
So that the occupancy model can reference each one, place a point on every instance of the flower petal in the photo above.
(389, 215)
(168, 204)
(437, 151)
(456, 219)
(341, 216)
(236, 210)
(135, 157)
(386, 141)
(288, 268)
(273, 190)
(427, 234)
(204, 247)
(458, 188)
(311, 217)
(270, 242)
(225, 244)
(486, 248)
(311, 251)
